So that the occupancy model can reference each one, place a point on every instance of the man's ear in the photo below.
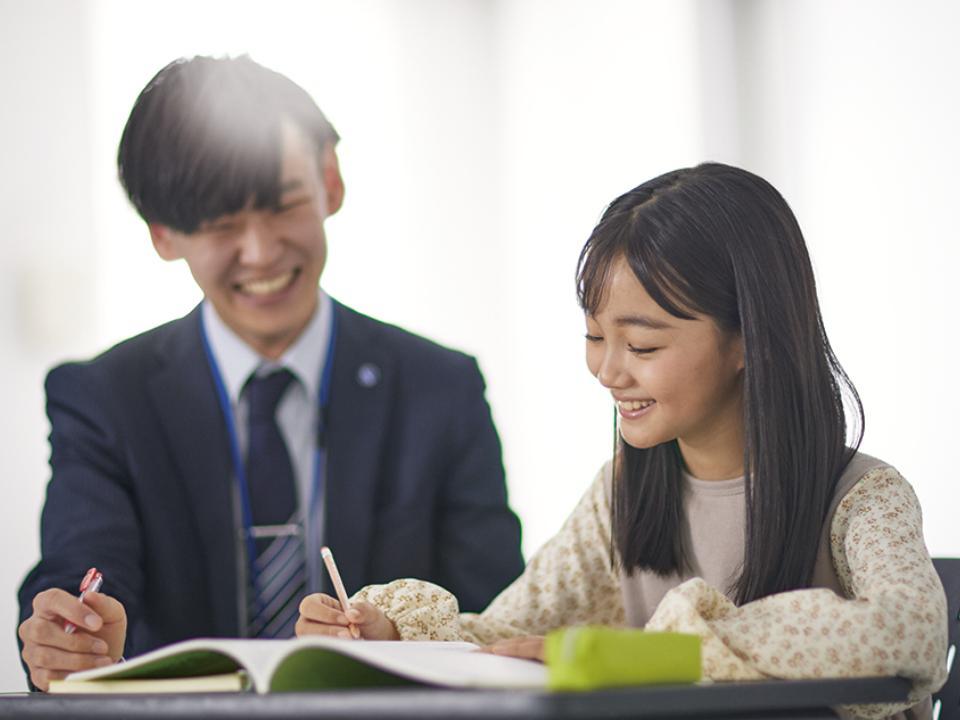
(332, 180)
(163, 241)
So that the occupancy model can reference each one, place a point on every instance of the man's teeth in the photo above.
(634, 405)
(264, 287)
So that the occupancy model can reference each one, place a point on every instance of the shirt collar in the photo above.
(237, 361)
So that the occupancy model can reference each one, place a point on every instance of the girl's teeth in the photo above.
(634, 405)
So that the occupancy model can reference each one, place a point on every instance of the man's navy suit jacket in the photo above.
(141, 482)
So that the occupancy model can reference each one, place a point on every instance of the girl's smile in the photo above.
(672, 378)
(634, 409)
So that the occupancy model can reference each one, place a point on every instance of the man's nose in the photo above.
(258, 244)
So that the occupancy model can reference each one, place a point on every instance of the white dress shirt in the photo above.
(298, 411)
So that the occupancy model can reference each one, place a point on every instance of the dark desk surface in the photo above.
(754, 700)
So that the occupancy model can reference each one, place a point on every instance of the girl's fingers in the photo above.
(320, 608)
(307, 627)
(529, 647)
(321, 615)
(363, 613)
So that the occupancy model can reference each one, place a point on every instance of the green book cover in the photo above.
(302, 664)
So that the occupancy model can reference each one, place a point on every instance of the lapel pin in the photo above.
(368, 375)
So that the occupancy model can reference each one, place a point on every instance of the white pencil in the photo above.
(331, 564)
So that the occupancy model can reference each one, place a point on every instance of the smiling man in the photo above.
(201, 465)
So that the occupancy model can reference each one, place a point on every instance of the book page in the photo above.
(323, 663)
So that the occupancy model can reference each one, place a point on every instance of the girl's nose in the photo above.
(612, 371)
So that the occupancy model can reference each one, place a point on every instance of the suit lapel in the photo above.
(185, 400)
(362, 386)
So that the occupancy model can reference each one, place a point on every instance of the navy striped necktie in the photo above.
(278, 577)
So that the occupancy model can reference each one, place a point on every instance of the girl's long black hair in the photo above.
(722, 242)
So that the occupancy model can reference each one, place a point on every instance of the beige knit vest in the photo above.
(713, 529)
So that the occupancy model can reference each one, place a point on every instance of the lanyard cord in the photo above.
(239, 469)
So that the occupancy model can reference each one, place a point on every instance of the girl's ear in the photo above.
(164, 241)
(741, 353)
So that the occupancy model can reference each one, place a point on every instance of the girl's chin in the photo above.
(641, 443)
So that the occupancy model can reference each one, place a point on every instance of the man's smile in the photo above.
(267, 286)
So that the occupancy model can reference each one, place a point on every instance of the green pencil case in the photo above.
(589, 657)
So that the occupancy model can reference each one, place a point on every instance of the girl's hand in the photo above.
(321, 615)
(528, 647)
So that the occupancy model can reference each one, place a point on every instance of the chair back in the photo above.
(946, 702)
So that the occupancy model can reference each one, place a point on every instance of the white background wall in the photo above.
(481, 141)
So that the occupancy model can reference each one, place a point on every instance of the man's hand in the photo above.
(528, 647)
(321, 615)
(51, 654)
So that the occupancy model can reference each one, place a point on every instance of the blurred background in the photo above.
(481, 141)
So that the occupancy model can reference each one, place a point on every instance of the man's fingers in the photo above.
(50, 599)
(41, 678)
(59, 605)
(51, 653)
(37, 631)
(51, 659)
(108, 608)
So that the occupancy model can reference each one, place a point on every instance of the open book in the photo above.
(309, 663)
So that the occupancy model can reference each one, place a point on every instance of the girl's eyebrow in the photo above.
(644, 321)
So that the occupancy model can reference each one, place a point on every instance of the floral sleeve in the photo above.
(894, 622)
(570, 581)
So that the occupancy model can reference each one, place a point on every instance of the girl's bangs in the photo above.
(649, 265)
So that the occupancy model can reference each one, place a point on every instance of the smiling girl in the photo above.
(737, 506)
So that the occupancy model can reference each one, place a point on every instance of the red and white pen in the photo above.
(92, 582)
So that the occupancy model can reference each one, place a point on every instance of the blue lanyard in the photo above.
(239, 468)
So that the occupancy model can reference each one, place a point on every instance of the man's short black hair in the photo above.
(204, 137)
